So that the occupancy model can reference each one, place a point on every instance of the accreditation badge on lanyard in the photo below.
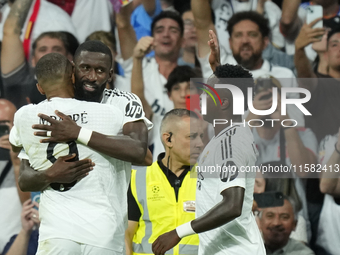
(189, 206)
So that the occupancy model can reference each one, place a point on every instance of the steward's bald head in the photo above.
(53, 69)
(172, 118)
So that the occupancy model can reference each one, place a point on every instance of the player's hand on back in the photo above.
(67, 172)
(165, 242)
(63, 130)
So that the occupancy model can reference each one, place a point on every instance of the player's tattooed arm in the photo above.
(60, 172)
(12, 52)
(131, 147)
(225, 211)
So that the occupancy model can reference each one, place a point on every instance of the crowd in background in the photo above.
(158, 46)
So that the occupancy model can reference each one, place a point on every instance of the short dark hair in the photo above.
(332, 32)
(168, 15)
(238, 76)
(181, 74)
(69, 40)
(180, 113)
(51, 68)
(253, 16)
(93, 46)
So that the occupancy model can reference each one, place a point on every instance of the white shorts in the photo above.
(57, 246)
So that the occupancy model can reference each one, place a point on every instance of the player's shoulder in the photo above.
(236, 137)
(238, 131)
(117, 95)
(27, 109)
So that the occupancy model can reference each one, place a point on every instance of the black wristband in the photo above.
(336, 149)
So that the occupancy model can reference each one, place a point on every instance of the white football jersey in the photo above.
(233, 147)
(128, 103)
(94, 210)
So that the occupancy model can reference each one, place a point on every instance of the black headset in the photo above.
(169, 138)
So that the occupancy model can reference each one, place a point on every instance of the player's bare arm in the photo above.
(60, 172)
(225, 211)
(131, 147)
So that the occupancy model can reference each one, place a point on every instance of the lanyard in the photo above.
(29, 29)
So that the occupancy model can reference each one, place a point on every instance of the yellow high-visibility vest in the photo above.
(160, 213)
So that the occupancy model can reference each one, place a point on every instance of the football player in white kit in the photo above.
(224, 219)
(90, 217)
(92, 71)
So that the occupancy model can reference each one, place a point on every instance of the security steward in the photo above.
(162, 196)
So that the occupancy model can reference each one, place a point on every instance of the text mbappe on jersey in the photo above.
(76, 117)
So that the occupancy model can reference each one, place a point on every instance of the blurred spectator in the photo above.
(88, 16)
(249, 36)
(225, 9)
(143, 15)
(167, 30)
(42, 16)
(18, 78)
(189, 40)
(170, 179)
(26, 242)
(329, 227)
(325, 120)
(178, 87)
(324, 104)
(276, 224)
(294, 16)
(283, 146)
(9, 198)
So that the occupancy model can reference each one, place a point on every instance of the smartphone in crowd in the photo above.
(314, 12)
(269, 199)
(4, 130)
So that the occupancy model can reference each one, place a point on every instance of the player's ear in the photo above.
(225, 103)
(42, 92)
(111, 75)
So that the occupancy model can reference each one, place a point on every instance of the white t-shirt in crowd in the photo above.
(89, 16)
(234, 146)
(94, 210)
(329, 223)
(225, 9)
(51, 18)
